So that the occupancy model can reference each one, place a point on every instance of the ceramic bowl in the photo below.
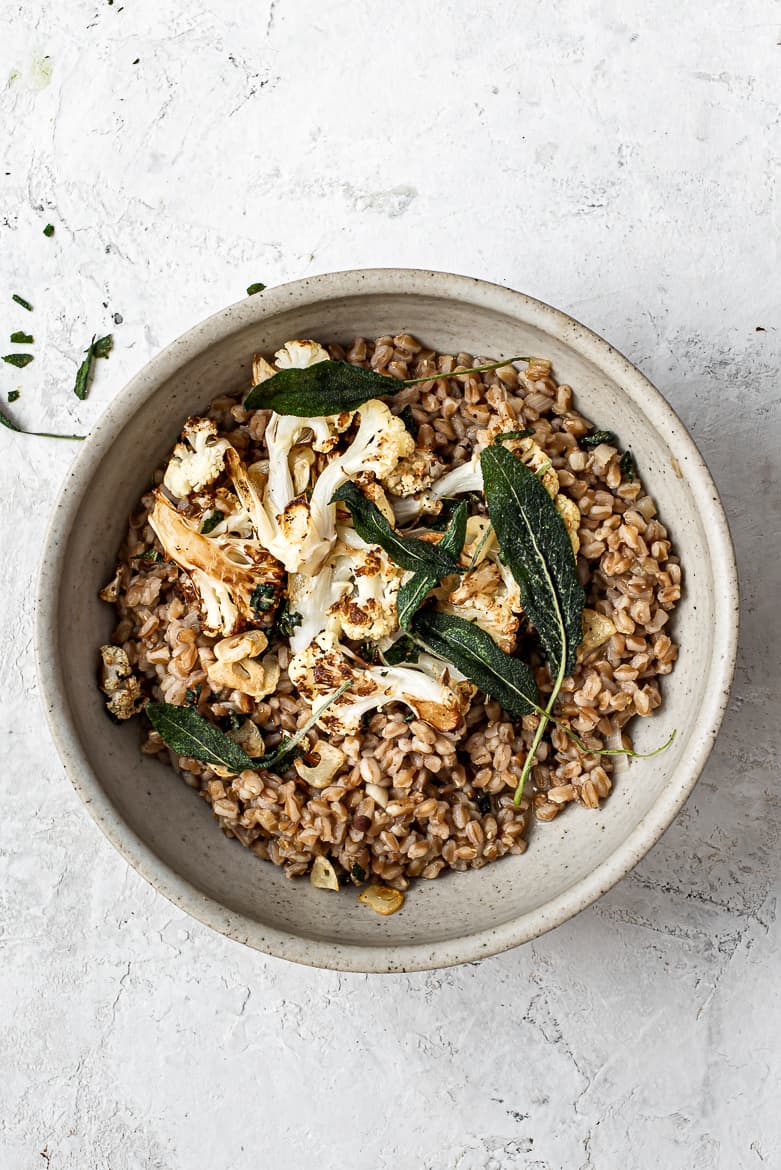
(169, 836)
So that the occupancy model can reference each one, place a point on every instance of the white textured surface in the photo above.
(623, 166)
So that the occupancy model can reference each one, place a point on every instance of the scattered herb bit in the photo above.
(5, 421)
(97, 349)
(137, 61)
(287, 747)
(22, 338)
(413, 592)
(408, 418)
(475, 654)
(193, 694)
(595, 437)
(404, 649)
(20, 360)
(537, 548)
(527, 434)
(406, 551)
(287, 621)
(322, 389)
(188, 734)
(358, 872)
(255, 288)
(409, 718)
(628, 466)
(13, 395)
(231, 722)
(149, 554)
(263, 598)
(48, 231)
(483, 802)
(21, 301)
(370, 653)
(211, 522)
(332, 387)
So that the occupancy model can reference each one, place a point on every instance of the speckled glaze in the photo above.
(169, 836)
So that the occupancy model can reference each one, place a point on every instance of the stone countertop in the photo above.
(624, 167)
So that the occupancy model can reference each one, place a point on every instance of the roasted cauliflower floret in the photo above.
(123, 687)
(297, 355)
(368, 608)
(237, 582)
(414, 473)
(323, 666)
(198, 458)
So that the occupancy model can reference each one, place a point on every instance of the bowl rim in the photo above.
(388, 957)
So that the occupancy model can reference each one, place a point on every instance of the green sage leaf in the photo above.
(188, 734)
(474, 652)
(413, 592)
(332, 387)
(22, 338)
(21, 301)
(536, 547)
(20, 360)
(96, 349)
(322, 389)
(406, 551)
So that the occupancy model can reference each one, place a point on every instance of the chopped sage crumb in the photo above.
(13, 395)
(255, 288)
(21, 338)
(21, 301)
(96, 349)
(628, 466)
(20, 360)
(48, 231)
(211, 522)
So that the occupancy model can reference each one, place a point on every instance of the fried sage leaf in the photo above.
(188, 734)
(413, 592)
(332, 387)
(322, 389)
(406, 551)
(474, 652)
(536, 547)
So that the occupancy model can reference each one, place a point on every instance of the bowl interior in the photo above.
(252, 899)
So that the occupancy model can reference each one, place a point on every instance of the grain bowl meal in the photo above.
(390, 609)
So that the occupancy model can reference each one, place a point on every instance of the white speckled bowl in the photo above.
(170, 837)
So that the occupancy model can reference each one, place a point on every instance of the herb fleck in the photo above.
(193, 694)
(628, 466)
(149, 554)
(262, 598)
(287, 621)
(13, 395)
(22, 338)
(20, 360)
(48, 231)
(255, 288)
(358, 872)
(96, 349)
(594, 438)
(21, 301)
(211, 522)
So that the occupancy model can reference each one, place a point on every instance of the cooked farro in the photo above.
(406, 800)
